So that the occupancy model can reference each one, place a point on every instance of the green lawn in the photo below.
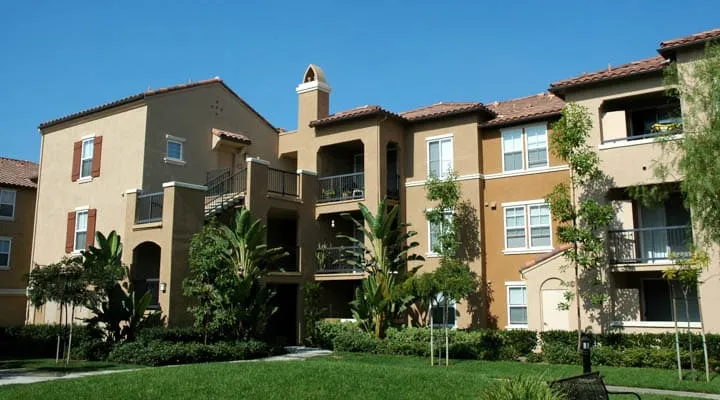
(344, 376)
(49, 365)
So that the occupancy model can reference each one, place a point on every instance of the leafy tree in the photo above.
(582, 217)
(381, 299)
(312, 310)
(227, 265)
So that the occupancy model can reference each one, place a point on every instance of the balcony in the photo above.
(223, 189)
(149, 208)
(283, 183)
(341, 187)
(334, 260)
(649, 245)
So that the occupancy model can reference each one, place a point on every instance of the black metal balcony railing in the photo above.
(334, 260)
(674, 129)
(149, 208)
(224, 189)
(342, 187)
(282, 182)
(649, 245)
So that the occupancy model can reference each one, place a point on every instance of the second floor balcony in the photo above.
(341, 187)
(632, 119)
(149, 208)
(336, 260)
(661, 244)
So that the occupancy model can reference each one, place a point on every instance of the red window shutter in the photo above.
(70, 232)
(92, 216)
(77, 151)
(97, 155)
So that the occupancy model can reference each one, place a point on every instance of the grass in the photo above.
(42, 365)
(346, 376)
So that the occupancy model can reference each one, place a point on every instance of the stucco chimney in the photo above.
(313, 96)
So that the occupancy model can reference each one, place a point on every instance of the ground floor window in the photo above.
(657, 303)
(517, 305)
(438, 309)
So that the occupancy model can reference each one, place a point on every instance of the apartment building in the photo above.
(629, 109)
(18, 182)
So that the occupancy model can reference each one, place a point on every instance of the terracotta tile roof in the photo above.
(542, 105)
(634, 68)
(146, 94)
(18, 173)
(689, 40)
(545, 256)
(443, 109)
(353, 113)
(232, 136)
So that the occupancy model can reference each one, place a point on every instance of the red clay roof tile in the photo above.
(232, 136)
(634, 68)
(443, 109)
(543, 105)
(545, 256)
(353, 113)
(18, 173)
(689, 40)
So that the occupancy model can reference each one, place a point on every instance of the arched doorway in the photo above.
(145, 272)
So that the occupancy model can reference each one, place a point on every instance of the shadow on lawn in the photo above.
(44, 366)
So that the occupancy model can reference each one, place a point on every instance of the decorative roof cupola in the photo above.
(313, 96)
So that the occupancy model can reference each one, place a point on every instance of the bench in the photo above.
(586, 387)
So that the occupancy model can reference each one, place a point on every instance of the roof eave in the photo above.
(91, 111)
(455, 113)
(559, 90)
(531, 118)
(322, 123)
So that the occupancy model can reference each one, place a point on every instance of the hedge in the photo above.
(634, 340)
(178, 335)
(40, 341)
(155, 353)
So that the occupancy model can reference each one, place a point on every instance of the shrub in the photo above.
(355, 341)
(328, 331)
(30, 341)
(157, 353)
(560, 354)
(524, 387)
(179, 335)
(522, 341)
(92, 350)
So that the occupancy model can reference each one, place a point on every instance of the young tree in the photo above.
(582, 217)
(453, 279)
(380, 299)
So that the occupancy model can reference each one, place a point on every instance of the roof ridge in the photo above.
(18, 159)
(545, 93)
(691, 37)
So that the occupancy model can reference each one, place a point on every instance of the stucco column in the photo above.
(256, 190)
(130, 206)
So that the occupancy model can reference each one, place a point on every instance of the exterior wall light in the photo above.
(163, 287)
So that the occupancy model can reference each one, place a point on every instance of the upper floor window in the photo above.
(436, 230)
(440, 156)
(517, 227)
(174, 149)
(438, 311)
(517, 305)
(5, 244)
(86, 158)
(7, 204)
(530, 153)
(81, 230)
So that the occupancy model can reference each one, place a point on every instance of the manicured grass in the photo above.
(48, 365)
(345, 376)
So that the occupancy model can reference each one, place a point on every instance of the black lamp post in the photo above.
(586, 344)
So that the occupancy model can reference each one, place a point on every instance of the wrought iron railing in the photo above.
(282, 182)
(225, 189)
(675, 130)
(337, 260)
(149, 208)
(649, 245)
(216, 175)
(342, 187)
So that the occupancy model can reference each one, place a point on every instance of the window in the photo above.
(517, 306)
(86, 158)
(515, 227)
(81, 225)
(438, 312)
(440, 157)
(537, 155)
(512, 150)
(7, 204)
(436, 230)
(174, 150)
(531, 233)
(5, 244)
(657, 301)
(534, 153)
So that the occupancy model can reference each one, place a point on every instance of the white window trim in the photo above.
(524, 150)
(7, 267)
(453, 304)
(439, 139)
(172, 160)
(85, 210)
(87, 178)
(527, 249)
(654, 324)
(12, 217)
(512, 285)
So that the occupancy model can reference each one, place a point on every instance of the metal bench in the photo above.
(586, 387)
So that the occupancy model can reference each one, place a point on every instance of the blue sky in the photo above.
(61, 57)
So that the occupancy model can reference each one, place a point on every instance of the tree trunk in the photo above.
(690, 335)
(447, 341)
(57, 348)
(72, 317)
(677, 330)
(577, 302)
(432, 344)
(702, 333)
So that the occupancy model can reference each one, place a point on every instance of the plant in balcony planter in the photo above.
(328, 193)
(346, 194)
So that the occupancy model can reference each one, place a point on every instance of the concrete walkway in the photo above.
(674, 393)
(20, 376)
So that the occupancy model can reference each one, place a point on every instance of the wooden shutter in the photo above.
(97, 155)
(77, 151)
(92, 216)
(70, 233)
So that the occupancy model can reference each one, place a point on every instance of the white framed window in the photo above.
(438, 311)
(440, 156)
(435, 230)
(174, 149)
(7, 204)
(86, 158)
(515, 228)
(528, 227)
(512, 150)
(81, 225)
(525, 148)
(537, 147)
(5, 245)
(517, 304)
